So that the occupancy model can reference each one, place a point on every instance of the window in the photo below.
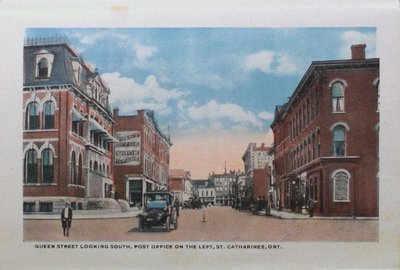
(341, 186)
(46, 207)
(32, 119)
(43, 68)
(29, 207)
(31, 170)
(80, 182)
(48, 115)
(72, 169)
(339, 133)
(337, 97)
(48, 166)
(378, 97)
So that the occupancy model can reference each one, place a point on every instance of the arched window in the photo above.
(48, 115)
(339, 141)
(72, 169)
(48, 166)
(96, 166)
(337, 97)
(341, 184)
(32, 116)
(80, 170)
(31, 168)
(43, 68)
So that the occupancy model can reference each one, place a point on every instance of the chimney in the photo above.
(358, 52)
(116, 112)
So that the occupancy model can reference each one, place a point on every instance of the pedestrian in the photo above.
(177, 206)
(66, 219)
(311, 207)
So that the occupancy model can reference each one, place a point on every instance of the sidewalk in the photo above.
(90, 214)
(290, 215)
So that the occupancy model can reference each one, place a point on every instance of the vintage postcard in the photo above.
(253, 140)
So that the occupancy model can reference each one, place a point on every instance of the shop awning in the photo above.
(96, 127)
(77, 116)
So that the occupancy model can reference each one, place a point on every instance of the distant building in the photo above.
(226, 186)
(141, 157)
(273, 183)
(204, 190)
(180, 184)
(326, 138)
(67, 129)
(255, 158)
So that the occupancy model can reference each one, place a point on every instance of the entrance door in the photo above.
(135, 192)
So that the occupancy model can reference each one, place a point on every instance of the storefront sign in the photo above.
(127, 149)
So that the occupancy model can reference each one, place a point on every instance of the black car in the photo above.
(158, 211)
(245, 204)
(260, 205)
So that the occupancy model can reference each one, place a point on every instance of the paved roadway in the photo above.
(222, 224)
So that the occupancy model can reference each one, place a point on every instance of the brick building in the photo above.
(255, 158)
(326, 138)
(179, 184)
(141, 157)
(226, 186)
(204, 189)
(67, 127)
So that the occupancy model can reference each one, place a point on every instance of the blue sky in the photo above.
(220, 80)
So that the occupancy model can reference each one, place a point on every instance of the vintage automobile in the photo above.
(195, 203)
(245, 204)
(260, 205)
(158, 211)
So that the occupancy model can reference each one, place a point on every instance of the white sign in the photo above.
(127, 149)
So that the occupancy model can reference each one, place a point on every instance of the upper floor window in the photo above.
(48, 115)
(32, 116)
(44, 62)
(378, 97)
(339, 141)
(43, 68)
(337, 97)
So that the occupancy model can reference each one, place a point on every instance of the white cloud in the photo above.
(89, 39)
(266, 115)
(129, 95)
(143, 52)
(354, 37)
(269, 62)
(214, 112)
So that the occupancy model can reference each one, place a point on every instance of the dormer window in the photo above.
(43, 68)
(44, 63)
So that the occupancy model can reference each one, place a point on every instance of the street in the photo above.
(222, 224)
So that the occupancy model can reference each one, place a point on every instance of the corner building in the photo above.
(141, 157)
(67, 128)
(326, 139)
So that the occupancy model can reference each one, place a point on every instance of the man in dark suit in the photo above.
(66, 219)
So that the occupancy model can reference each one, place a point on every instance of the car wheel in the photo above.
(168, 224)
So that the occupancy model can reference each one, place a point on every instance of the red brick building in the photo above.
(261, 183)
(326, 138)
(141, 157)
(179, 183)
(255, 160)
(67, 127)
